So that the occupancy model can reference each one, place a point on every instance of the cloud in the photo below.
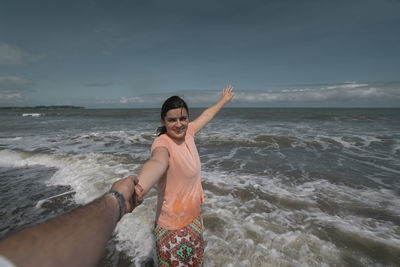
(105, 84)
(12, 88)
(11, 97)
(125, 100)
(11, 55)
(13, 83)
(346, 92)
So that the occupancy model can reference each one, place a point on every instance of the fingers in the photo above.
(227, 94)
(137, 193)
(138, 196)
(138, 189)
(227, 90)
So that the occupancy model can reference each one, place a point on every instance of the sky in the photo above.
(134, 54)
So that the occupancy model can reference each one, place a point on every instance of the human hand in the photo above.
(139, 193)
(227, 94)
(126, 187)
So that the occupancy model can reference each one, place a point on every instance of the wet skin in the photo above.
(176, 122)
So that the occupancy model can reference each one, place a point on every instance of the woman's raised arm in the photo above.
(209, 113)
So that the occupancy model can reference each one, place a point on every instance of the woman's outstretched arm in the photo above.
(209, 113)
(151, 172)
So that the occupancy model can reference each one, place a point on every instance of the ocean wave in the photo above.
(101, 141)
(295, 215)
(320, 142)
(123, 137)
(10, 139)
(89, 175)
(302, 222)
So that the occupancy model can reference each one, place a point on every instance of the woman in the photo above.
(175, 166)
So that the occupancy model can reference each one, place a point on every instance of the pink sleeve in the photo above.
(160, 141)
(191, 129)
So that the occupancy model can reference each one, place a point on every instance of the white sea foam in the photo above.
(287, 230)
(121, 136)
(9, 158)
(12, 139)
(42, 201)
(89, 175)
(253, 241)
(134, 232)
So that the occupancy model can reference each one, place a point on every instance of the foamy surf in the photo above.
(303, 187)
(89, 175)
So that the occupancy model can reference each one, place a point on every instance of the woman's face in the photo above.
(176, 121)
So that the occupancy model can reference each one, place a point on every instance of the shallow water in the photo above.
(283, 187)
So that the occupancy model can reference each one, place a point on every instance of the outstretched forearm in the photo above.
(152, 171)
(74, 239)
(209, 113)
(150, 174)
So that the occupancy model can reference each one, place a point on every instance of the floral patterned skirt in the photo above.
(181, 247)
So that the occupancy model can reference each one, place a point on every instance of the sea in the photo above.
(283, 186)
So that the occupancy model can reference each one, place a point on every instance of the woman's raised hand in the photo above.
(227, 94)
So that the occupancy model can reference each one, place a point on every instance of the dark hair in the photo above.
(171, 103)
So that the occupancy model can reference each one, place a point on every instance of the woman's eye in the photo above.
(183, 119)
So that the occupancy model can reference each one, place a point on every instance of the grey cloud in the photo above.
(10, 97)
(105, 84)
(347, 92)
(13, 83)
(125, 100)
(11, 55)
(12, 89)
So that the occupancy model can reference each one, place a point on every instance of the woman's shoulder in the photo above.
(191, 129)
(161, 140)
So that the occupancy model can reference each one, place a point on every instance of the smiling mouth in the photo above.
(179, 130)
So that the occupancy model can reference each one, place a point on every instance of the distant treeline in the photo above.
(43, 107)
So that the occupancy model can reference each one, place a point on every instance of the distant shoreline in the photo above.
(194, 107)
(42, 108)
